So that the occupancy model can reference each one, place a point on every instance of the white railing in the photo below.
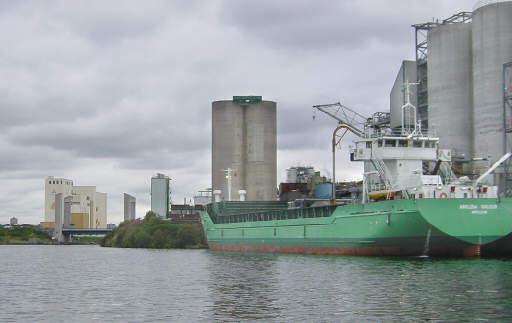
(399, 133)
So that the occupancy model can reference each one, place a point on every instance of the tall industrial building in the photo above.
(88, 207)
(53, 186)
(461, 67)
(160, 195)
(450, 87)
(244, 139)
(492, 47)
(129, 207)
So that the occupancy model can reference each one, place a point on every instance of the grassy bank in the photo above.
(153, 232)
(22, 234)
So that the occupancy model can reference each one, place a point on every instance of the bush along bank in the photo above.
(23, 234)
(153, 232)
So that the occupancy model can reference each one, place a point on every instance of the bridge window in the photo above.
(403, 143)
(368, 144)
(380, 143)
(417, 143)
(390, 143)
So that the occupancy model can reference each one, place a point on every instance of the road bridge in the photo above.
(67, 233)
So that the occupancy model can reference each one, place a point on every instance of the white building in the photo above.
(54, 186)
(100, 220)
(13, 221)
(88, 208)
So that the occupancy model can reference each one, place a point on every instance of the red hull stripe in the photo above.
(469, 251)
(320, 250)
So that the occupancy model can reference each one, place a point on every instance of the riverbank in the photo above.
(24, 235)
(155, 233)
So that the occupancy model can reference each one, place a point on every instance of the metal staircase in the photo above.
(383, 171)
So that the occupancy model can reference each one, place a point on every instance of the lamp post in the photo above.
(229, 173)
(335, 142)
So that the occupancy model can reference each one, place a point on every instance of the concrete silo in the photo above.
(492, 47)
(244, 139)
(450, 98)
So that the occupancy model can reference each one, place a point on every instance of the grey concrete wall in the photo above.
(450, 87)
(228, 137)
(67, 210)
(59, 210)
(397, 96)
(492, 47)
(261, 147)
(244, 138)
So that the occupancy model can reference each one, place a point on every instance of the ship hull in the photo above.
(448, 228)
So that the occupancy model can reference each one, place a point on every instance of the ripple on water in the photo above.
(89, 283)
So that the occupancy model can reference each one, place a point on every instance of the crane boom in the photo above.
(345, 116)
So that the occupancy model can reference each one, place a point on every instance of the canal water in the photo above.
(90, 283)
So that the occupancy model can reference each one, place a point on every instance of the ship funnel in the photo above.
(242, 194)
(217, 194)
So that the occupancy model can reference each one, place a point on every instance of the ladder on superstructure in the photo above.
(383, 171)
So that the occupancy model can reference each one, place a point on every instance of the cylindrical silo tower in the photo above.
(261, 147)
(492, 47)
(227, 146)
(450, 108)
(244, 139)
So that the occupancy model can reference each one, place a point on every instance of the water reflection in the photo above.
(56, 284)
(243, 286)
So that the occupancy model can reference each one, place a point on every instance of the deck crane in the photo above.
(353, 120)
(349, 120)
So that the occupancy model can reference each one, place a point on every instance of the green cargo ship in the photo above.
(412, 204)
(414, 227)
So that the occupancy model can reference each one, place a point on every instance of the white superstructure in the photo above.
(404, 162)
(408, 163)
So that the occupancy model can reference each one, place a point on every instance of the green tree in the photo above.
(186, 236)
(128, 241)
(142, 239)
(151, 218)
(159, 239)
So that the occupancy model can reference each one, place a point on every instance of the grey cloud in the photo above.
(29, 162)
(310, 25)
(127, 138)
(323, 25)
(108, 93)
(177, 160)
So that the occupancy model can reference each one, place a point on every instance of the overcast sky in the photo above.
(108, 93)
